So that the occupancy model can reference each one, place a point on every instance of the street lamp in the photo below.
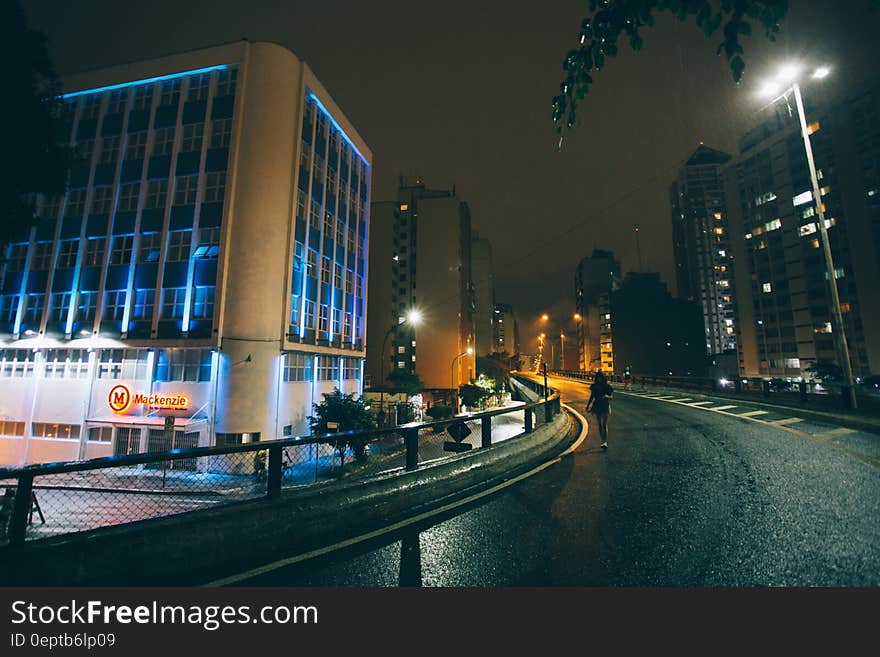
(788, 76)
(413, 318)
(466, 352)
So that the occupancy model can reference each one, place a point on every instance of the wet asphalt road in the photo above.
(682, 497)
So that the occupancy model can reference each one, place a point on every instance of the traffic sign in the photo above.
(459, 430)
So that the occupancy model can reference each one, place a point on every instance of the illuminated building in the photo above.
(506, 334)
(596, 276)
(783, 299)
(701, 243)
(484, 296)
(210, 251)
(420, 258)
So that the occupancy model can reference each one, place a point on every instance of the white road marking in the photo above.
(752, 413)
(700, 403)
(721, 408)
(826, 435)
(275, 565)
(788, 420)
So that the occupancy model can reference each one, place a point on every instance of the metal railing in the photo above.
(779, 390)
(50, 499)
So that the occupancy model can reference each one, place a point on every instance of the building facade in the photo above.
(484, 295)
(595, 277)
(420, 260)
(701, 243)
(207, 262)
(506, 332)
(783, 296)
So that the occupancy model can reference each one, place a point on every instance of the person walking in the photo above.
(600, 405)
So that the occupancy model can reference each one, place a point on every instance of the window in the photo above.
(66, 363)
(54, 430)
(203, 302)
(813, 127)
(91, 106)
(209, 243)
(144, 300)
(9, 307)
(792, 363)
(84, 150)
(17, 363)
(123, 364)
(767, 287)
(120, 254)
(309, 314)
(100, 434)
(186, 188)
(349, 281)
(184, 365)
(297, 366)
(17, 257)
(87, 304)
(226, 82)
(192, 137)
(173, 300)
(325, 270)
(137, 146)
(157, 192)
(807, 229)
(42, 256)
(350, 369)
(337, 276)
(803, 197)
(215, 186)
(76, 203)
(34, 308)
(143, 97)
(163, 141)
(114, 304)
(102, 200)
(773, 225)
(94, 255)
(11, 428)
(328, 226)
(128, 441)
(221, 131)
(323, 319)
(328, 368)
(109, 150)
(116, 101)
(67, 251)
(198, 87)
(128, 197)
(178, 245)
(312, 263)
(170, 92)
(150, 245)
(314, 216)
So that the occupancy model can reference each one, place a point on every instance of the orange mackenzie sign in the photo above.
(121, 399)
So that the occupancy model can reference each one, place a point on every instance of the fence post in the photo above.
(486, 427)
(528, 427)
(411, 439)
(21, 509)
(274, 473)
(548, 411)
(765, 386)
(802, 389)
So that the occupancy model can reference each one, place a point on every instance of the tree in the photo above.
(497, 367)
(36, 159)
(349, 414)
(472, 393)
(612, 19)
(826, 372)
(405, 382)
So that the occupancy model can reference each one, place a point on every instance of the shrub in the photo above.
(439, 412)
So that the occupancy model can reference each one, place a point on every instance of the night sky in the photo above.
(459, 93)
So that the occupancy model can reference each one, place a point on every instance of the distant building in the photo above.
(484, 294)
(783, 297)
(420, 258)
(506, 336)
(207, 262)
(596, 276)
(701, 242)
(648, 332)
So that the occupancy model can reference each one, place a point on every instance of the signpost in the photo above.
(459, 431)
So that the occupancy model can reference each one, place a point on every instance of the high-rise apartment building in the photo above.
(420, 259)
(783, 296)
(208, 261)
(701, 244)
(506, 336)
(596, 276)
(484, 295)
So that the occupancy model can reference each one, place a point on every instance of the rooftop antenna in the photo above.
(638, 248)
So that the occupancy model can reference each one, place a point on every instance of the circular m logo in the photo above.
(120, 399)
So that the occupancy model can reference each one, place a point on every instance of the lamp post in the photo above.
(413, 317)
(466, 352)
(546, 318)
(580, 338)
(789, 76)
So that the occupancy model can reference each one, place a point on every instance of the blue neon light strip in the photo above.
(159, 78)
(336, 125)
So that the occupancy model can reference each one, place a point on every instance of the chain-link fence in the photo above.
(44, 500)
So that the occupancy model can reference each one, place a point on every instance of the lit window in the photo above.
(404, 207)
(803, 197)
(773, 225)
(767, 287)
(807, 229)
(813, 127)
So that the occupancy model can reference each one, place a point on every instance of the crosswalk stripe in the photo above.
(700, 403)
(722, 408)
(751, 413)
(683, 399)
(788, 420)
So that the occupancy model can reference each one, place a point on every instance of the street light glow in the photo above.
(769, 90)
(821, 72)
(545, 317)
(414, 316)
(469, 350)
(789, 73)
